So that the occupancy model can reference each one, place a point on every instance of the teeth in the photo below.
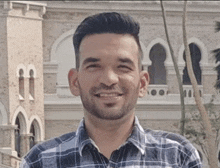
(108, 94)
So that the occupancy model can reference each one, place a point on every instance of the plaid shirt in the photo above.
(150, 149)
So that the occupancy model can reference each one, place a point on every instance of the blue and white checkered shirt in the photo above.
(149, 149)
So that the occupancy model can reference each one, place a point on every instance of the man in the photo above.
(109, 79)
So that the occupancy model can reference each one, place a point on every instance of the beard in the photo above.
(109, 112)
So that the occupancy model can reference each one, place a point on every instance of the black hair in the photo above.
(111, 22)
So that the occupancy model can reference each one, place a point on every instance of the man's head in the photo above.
(102, 23)
(108, 77)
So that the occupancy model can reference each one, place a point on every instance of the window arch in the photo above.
(65, 62)
(157, 69)
(31, 84)
(18, 137)
(32, 137)
(36, 123)
(21, 75)
(20, 120)
(18, 131)
(35, 133)
(21, 83)
(196, 58)
(31, 74)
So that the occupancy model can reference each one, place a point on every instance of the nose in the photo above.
(109, 77)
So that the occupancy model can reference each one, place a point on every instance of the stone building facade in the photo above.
(21, 80)
(37, 53)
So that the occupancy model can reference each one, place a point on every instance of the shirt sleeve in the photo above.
(194, 160)
(24, 164)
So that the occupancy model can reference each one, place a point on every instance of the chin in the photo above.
(111, 115)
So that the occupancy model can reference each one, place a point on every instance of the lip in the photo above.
(109, 97)
(108, 94)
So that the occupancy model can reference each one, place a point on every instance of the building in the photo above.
(37, 53)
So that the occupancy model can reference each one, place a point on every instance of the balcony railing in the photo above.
(161, 92)
(189, 93)
(157, 91)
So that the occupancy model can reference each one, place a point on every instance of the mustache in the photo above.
(103, 87)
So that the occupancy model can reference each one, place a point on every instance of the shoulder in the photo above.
(163, 137)
(174, 146)
(48, 148)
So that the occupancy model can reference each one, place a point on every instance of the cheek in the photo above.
(84, 82)
(130, 81)
(88, 77)
(87, 81)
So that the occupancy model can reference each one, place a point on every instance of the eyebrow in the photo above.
(93, 60)
(90, 59)
(126, 60)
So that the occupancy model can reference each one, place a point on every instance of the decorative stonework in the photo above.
(9, 8)
(202, 47)
(50, 67)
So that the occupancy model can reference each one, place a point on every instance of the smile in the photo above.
(108, 95)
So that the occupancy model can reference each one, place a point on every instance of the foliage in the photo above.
(195, 129)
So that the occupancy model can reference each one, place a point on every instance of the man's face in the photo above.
(108, 77)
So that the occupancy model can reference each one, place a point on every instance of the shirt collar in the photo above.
(137, 137)
(82, 137)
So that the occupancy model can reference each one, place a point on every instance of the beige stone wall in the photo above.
(173, 87)
(165, 125)
(3, 64)
(54, 25)
(25, 47)
(21, 47)
(50, 83)
(208, 86)
(55, 128)
(1, 139)
(200, 27)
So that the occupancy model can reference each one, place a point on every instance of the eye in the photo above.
(93, 66)
(125, 67)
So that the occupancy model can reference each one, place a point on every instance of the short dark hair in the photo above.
(111, 22)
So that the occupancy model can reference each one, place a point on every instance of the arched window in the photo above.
(18, 137)
(196, 57)
(35, 133)
(219, 156)
(31, 84)
(19, 120)
(157, 69)
(32, 137)
(21, 83)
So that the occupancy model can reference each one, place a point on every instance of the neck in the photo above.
(109, 134)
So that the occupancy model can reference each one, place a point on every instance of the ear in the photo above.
(73, 82)
(144, 77)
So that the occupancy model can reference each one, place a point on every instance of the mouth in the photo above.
(108, 95)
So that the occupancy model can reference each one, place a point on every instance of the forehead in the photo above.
(109, 44)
